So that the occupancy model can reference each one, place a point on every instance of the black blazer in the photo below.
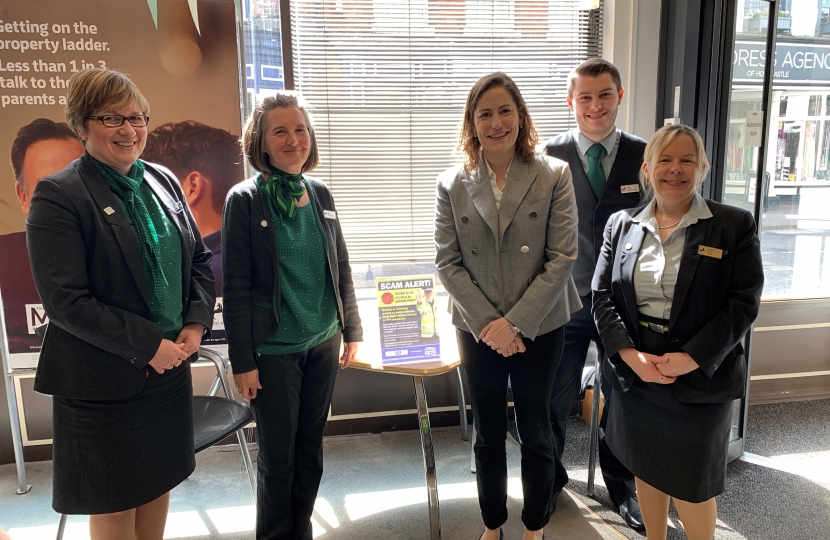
(251, 270)
(593, 214)
(89, 272)
(715, 301)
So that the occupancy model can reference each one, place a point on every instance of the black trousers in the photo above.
(579, 332)
(531, 376)
(291, 411)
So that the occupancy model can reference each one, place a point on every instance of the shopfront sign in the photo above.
(802, 63)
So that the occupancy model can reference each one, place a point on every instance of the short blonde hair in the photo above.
(95, 89)
(659, 141)
(469, 147)
(254, 131)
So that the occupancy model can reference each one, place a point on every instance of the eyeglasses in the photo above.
(116, 120)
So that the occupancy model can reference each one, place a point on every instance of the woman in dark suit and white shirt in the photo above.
(677, 286)
(505, 235)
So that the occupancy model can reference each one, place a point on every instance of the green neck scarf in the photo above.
(125, 187)
(285, 189)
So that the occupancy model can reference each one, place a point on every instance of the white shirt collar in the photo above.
(490, 173)
(697, 211)
(584, 143)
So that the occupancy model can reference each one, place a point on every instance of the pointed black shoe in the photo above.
(501, 534)
(630, 512)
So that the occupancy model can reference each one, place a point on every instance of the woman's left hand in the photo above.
(515, 347)
(677, 364)
(191, 337)
(498, 334)
(349, 352)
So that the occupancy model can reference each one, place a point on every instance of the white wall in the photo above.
(631, 40)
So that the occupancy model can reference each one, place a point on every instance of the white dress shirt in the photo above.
(658, 262)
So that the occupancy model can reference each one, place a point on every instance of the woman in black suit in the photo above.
(126, 283)
(677, 286)
(289, 302)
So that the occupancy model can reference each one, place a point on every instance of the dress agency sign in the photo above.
(804, 63)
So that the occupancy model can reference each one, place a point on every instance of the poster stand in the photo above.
(14, 414)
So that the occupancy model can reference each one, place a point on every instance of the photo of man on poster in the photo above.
(425, 304)
(41, 148)
(208, 163)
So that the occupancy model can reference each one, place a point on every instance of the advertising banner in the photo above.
(408, 317)
(182, 55)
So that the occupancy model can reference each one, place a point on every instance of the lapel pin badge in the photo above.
(109, 211)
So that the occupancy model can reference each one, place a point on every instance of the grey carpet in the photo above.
(759, 503)
(373, 488)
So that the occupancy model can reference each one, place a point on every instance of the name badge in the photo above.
(630, 188)
(707, 251)
(329, 214)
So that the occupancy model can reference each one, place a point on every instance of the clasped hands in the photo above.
(499, 336)
(171, 354)
(662, 369)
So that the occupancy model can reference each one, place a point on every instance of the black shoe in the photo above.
(501, 534)
(630, 512)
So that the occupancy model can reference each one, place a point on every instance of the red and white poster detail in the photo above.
(182, 54)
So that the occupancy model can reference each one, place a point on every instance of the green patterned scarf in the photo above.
(125, 187)
(285, 189)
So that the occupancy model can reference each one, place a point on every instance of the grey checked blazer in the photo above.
(514, 262)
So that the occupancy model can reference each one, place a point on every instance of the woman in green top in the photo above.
(126, 282)
(289, 301)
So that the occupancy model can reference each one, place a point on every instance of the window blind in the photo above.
(387, 80)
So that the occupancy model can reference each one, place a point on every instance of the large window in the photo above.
(795, 228)
(388, 81)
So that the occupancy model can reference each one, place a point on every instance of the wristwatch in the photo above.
(514, 329)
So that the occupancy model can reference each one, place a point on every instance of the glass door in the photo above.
(744, 179)
(782, 175)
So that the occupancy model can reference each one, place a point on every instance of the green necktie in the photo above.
(596, 174)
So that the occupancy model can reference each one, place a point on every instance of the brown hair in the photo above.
(254, 131)
(189, 146)
(39, 129)
(96, 89)
(593, 68)
(469, 146)
(659, 141)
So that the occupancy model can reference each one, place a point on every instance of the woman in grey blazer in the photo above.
(289, 302)
(505, 233)
(678, 284)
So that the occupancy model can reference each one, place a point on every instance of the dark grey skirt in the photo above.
(679, 448)
(114, 455)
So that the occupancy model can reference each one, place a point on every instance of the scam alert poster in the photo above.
(408, 317)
